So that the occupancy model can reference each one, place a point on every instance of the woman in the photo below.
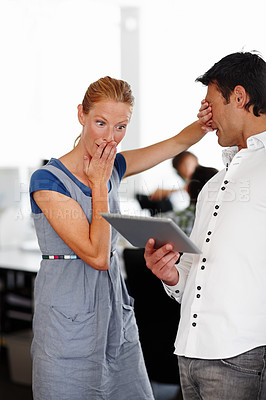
(86, 342)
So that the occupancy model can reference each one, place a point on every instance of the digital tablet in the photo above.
(137, 230)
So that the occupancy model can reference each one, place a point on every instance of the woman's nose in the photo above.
(109, 136)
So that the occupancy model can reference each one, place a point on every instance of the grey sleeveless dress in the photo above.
(86, 343)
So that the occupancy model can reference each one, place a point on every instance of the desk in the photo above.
(18, 269)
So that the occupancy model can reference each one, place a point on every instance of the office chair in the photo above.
(154, 206)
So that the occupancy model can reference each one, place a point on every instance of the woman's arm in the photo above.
(91, 242)
(142, 159)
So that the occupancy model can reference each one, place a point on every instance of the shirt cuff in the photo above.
(177, 290)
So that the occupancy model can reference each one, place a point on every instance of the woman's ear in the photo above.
(81, 115)
(241, 96)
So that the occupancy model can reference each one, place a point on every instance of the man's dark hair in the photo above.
(179, 158)
(198, 179)
(245, 69)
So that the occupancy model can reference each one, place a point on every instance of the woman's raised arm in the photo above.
(140, 160)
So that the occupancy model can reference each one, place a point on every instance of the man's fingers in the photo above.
(169, 259)
(149, 248)
(153, 256)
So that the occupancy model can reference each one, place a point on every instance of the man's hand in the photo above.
(205, 116)
(162, 262)
(160, 194)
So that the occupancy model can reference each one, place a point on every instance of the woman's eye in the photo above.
(120, 127)
(100, 123)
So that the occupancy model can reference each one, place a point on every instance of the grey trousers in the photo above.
(238, 378)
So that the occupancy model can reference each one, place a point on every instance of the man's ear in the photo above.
(81, 115)
(241, 97)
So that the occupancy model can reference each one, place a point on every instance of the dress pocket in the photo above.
(70, 336)
(130, 328)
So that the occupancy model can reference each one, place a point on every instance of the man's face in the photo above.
(225, 118)
(187, 166)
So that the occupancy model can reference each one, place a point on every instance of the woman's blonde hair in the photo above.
(107, 89)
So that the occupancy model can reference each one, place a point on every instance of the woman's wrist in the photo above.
(191, 135)
(99, 189)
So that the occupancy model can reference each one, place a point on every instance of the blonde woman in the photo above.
(86, 343)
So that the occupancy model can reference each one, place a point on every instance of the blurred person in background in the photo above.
(184, 165)
(185, 219)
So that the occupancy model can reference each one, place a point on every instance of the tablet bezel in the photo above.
(138, 229)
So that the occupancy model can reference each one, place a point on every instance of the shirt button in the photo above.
(204, 259)
(215, 214)
(194, 324)
(225, 182)
(209, 233)
(199, 287)
(223, 188)
(195, 315)
(202, 267)
(216, 207)
(198, 296)
(207, 240)
(177, 291)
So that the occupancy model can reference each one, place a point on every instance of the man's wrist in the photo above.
(173, 281)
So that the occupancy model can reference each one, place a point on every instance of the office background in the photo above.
(51, 50)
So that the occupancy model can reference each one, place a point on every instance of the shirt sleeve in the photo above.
(120, 165)
(45, 180)
(183, 267)
(176, 291)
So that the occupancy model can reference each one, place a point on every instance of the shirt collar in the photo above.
(253, 142)
(228, 154)
(257, 141)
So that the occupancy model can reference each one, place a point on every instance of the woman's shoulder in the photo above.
(120, 165)
(45, 179)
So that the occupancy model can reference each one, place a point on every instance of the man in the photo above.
(221, 340)
(185, 219)
(184, 164)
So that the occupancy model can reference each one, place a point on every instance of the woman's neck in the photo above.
(73, 161)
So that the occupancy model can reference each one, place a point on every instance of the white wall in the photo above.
(52, 49)
(180, 40)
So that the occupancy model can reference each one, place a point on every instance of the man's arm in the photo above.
(162, 263)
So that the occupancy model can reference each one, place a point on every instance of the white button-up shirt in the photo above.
(223, 290)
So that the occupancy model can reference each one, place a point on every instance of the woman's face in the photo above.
(107, 121)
